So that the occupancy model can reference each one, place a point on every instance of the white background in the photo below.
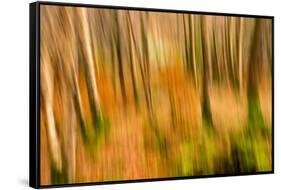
(14, 93)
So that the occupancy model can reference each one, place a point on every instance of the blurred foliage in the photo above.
(136, 95)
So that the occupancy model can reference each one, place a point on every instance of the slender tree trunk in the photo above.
(193, 47)
(254, 61)
(240, 66)
(186, 55)
(119, 58)
(145, 65)
(132, 64)
(207, 115)
(89, 61)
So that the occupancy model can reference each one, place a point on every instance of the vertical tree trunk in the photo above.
(207, 115)
(254, 61)
(132, 63)
(119, 57)
(145, 65)
(186, 55)
(193, 47)
(85, 36)
(240, 63)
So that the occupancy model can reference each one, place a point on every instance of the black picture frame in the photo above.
(34, 91)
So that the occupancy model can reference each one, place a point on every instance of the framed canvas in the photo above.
(126, 94)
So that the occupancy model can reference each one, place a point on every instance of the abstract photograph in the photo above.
(142, 94)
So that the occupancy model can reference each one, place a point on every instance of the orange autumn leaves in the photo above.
(134, 95)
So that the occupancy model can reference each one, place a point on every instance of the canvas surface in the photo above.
(129, 95)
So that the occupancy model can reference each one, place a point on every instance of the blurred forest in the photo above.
(136, 95)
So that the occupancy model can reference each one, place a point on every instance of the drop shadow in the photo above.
(24, 182)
